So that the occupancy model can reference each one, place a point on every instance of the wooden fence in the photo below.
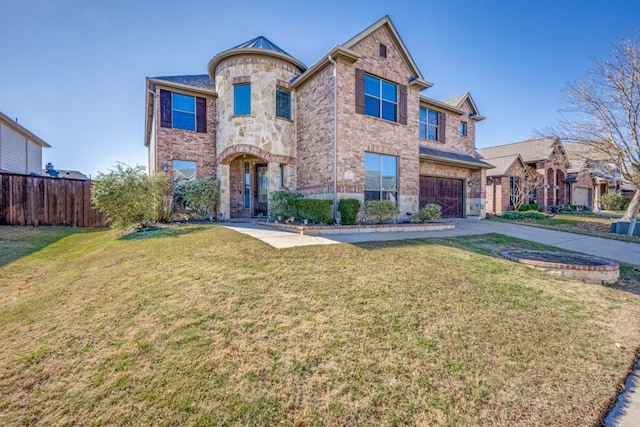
(38, 200)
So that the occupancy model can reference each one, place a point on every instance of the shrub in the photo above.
(518, 216)
(315, 211)
(348, 209)
(202, 196)
(614, 202)
(282, 205)
(528, 207)
(429, 213)
(377, 211)
(129, 197)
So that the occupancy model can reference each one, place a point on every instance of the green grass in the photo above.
(585, 223)
(204, 326)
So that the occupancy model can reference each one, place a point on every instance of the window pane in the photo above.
(389, 111)
(371, 171)
(432, 133)
(185, 121)
(371, 106)
(389, 91)
(183, 171)
(463, 128)
(184, 103)
(389, 195)
(283, 103)
(389, 173)
(371, 195)
(371, 86)
(433, 117)
(423, 115)
(242, 99)
(423, 131)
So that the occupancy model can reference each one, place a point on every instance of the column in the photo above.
(224, 210)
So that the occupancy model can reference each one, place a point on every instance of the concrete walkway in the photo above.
(627, 411)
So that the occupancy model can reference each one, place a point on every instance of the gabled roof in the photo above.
(579, 154)
(416, 77)
(23, 130)
(503, 164)
(198, 81)
(459, 101)
(531, 150)
(452, 158)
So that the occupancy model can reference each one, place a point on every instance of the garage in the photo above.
(446, 192)
(582, 197)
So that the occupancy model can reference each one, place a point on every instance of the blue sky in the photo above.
(73, 71)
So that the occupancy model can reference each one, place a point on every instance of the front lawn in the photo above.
(200, 325)
(584, 223)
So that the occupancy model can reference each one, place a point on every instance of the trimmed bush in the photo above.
(614, 202)
(377, 211)
(202, 196)
(315, 211)
(282, 205)
(529, 207)
(429, 213)
(348, 209)
(129, 197)
(518, 216)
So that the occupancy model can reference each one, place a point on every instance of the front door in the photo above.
(261, 193)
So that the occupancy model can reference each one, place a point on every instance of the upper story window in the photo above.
(180, 111)
(283, 103)
(463, 128)
(380, 98)
(430, 127)
(242, 99)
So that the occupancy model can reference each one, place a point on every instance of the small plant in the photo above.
(528, 207)
(282, 205)
(528, 215)
(202, 196)
(348, 209)
(614, 202)
(378, 211)
(431, 212)
(315, 211)
(129, 197)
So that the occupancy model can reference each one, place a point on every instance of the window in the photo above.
(183, 171)
(429, 124)
(242, 99)
(380, 177)
(380, 98)
(383, 51)
(514, 186)
(283, 103)
(281, 176)
(186, 112)
(463, 128)
(247, 185)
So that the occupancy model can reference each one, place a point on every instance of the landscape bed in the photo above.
(199, 325)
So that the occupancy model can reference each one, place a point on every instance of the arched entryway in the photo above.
(561, 189)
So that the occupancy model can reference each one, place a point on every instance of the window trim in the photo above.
(190, 113)
(381, 191)
(381, 100)
(426, 125)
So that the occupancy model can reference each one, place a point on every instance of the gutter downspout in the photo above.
(335, 137)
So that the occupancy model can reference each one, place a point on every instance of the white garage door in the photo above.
(581, 197)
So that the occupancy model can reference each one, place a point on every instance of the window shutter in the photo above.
(403, 105)
(165, 108)
(201, 115)
(359, 91)
(442, 122)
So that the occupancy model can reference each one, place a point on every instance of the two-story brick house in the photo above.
(354, 124)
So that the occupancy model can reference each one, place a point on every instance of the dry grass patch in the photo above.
(204, 326)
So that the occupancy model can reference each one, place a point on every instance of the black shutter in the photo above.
(442, 121)
(359, 91)
(165, 108)
(201, 115)
(403, 105)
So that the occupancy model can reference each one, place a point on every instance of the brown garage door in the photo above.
(444, 191)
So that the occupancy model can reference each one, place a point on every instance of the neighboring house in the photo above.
(546, 167)
(590, 175)
(20, 149)
(354, 124)
(49, 170)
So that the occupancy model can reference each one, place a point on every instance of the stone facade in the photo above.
(320, 152)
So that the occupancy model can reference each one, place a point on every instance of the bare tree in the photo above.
(522, 187)
(603, 112)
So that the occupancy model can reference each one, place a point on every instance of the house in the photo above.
(20, 149)
(49, 170)
(355, 124)
(590, 175)
(534, 169)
